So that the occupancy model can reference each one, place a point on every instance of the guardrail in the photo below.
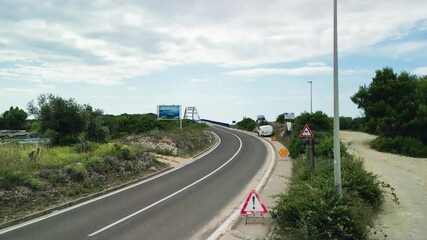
(216, 122)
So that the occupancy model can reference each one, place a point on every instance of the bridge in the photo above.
(192, 114)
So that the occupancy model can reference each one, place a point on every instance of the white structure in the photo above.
(191, 114)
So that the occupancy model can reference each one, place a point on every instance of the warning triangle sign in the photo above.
(253, 205)
(306, 132)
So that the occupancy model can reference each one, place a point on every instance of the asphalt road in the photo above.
(173, 206)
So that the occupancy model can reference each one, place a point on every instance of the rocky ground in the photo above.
(408, 176)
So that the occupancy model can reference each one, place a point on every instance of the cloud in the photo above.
(300, 71)
(106, 42)
(399, 49)
(352, 72)
(420, 71)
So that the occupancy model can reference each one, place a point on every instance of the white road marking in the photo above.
(173, 194)
(226, 225)
(57, 212)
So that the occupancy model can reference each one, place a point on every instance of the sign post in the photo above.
(169, 112)
(308, 135)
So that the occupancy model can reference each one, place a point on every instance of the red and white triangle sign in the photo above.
(253, 204)
(306, 132)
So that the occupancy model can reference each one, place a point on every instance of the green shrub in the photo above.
(11, 178)
(36, 184)
(312, 209)
(400, 145)
(296, 148)
(77, 172)
(363, 183)
(325, 148)
(317, 121)
(316, 212)
(247, 124)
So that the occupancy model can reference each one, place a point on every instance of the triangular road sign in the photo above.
(253, 205)
(306, 132)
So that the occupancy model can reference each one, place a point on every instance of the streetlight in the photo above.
(311, 97)
(337, 150)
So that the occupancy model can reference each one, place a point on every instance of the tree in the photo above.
(317, 121)
(65, 120)
(280, 118)
(246, 124)
(14, 118)
(394, 105)
(96, 131)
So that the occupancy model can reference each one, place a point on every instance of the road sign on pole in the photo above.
(306, 132)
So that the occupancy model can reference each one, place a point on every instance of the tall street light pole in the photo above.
(337, 150)
(311, 97)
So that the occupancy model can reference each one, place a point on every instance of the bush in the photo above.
(9, 178)
(325, 148)
(362, 183)
(312, 209)
(247, 124)
(400, 145)
(317, 121)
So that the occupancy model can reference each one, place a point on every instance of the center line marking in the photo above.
(173, 194)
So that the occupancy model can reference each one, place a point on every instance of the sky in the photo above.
(229, 59)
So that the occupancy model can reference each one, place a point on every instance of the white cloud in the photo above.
(420, 71)
(300, 71)
(351, 72)
(396, 50)
(107, 42)
(17, 90)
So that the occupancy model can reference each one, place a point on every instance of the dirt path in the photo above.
(409, 178)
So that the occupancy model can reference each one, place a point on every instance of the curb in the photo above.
(103, 192)
(77, 201)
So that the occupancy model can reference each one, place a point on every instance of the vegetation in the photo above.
(312, 209)
(247, 124)
(395, 107)
(33, 177)
(78, 160)
(67, 122)
(13, 119)
(354, 124)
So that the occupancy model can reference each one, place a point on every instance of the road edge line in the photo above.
(70, 205)
(232, 219)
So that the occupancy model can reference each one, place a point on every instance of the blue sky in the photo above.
(229, 59)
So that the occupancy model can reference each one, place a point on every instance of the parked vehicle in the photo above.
(265, 130)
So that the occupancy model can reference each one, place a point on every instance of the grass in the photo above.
(35, 176)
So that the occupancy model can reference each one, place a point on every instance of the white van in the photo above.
(265, 130)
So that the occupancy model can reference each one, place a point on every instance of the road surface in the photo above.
(173, 206)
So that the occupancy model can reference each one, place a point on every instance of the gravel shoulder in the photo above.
(408, 176)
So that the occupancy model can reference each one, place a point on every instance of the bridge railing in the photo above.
(216, 122)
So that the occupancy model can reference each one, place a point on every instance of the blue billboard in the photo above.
(169, 112)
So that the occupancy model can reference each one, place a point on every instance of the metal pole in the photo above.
(311, 97)
(337, 150)
(311, 158)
